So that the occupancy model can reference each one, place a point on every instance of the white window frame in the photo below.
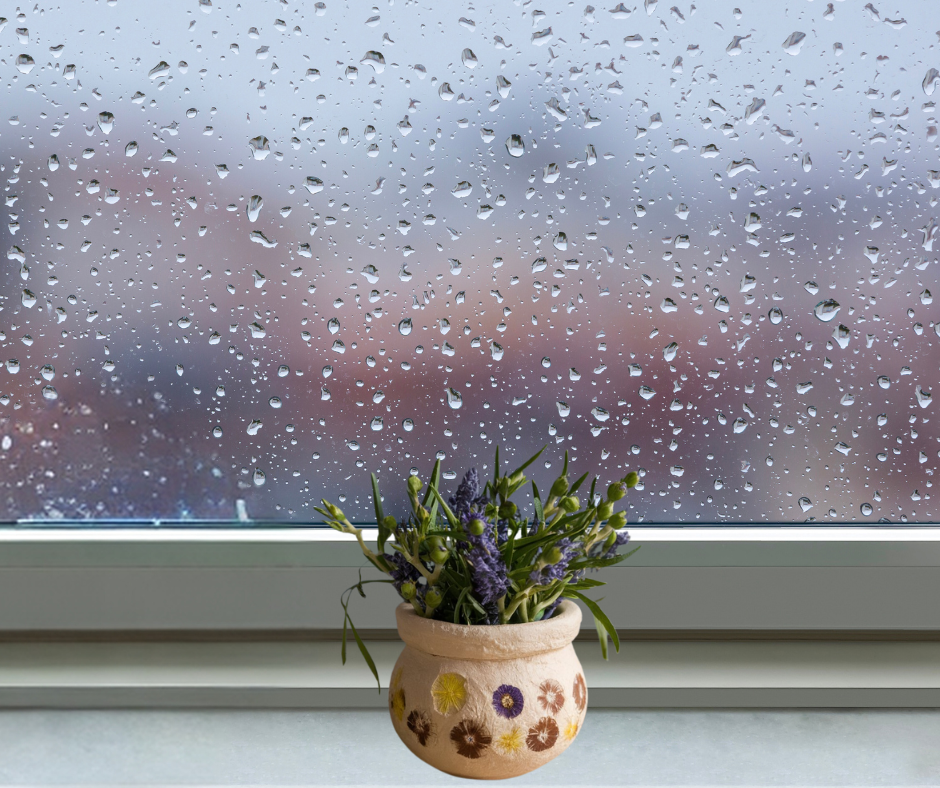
(837, 580)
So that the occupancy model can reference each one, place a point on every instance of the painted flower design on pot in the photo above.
(580, 692)
(449, 692)
(507, 701)
(510, 743)
(571, 729)
(420, 725)
(471, 738)
(551, 696)
(543, 735)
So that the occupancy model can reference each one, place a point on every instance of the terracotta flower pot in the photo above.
(488, 702)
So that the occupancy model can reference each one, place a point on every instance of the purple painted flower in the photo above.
(507, 701)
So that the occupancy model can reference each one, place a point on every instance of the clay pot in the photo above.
(488, 702)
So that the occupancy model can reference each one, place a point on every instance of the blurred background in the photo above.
(255, 251)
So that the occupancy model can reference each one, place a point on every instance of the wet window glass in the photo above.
(254, 251)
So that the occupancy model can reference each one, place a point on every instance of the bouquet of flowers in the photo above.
(477, 559)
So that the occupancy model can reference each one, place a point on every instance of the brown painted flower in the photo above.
(471, 738)
(542, 735)
(551, 696)
(420, 725)
(580, 692)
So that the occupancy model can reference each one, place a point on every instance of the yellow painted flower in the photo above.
(398, 704)
(449, 691)
(510, 743)
(571, 729)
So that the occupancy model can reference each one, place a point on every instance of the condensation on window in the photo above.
(254, 251)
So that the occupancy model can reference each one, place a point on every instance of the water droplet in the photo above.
(866, 509)
(217, 432)
(47, 372)
(275, 402)
(374, 59)
(160, 70)
(333, 325)
(454, 399)
(775, 315)
(313, 185)
(794, 42)
(739, 425)
(468, 58)
(254, 427)
(563, 409)
(376, 424)
(28, 299)
(404, 327)
(53, 163)
(254, 207)
(515, 147)
(647, 393)
(327, 371)
(669, 352)
(923, 397)
(462, 189)
(807, 163)
(260, 147)
(257, 331)
(931, 80)
(24, 64)
(841, 334)
(884, 381)
(184, 322)
(600, 413)
(130, 149)
(408, 425)
(105, 122)
(496, 351)
(805, 504)
(752, 223)
(258, 477)
(827, 310)
(283, 371)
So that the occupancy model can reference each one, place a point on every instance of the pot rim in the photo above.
(484, 642)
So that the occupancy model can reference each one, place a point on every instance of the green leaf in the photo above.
(432, 483)
(366, 655)
(593, 487)
(451, 517)
(602, 637)
(539, 512)
(529, 461)
(463, 594)
(496, 467)
(600, 618)
(577, 484)
(564, 470)
(377, 500)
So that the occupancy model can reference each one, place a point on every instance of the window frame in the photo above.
(264, 580)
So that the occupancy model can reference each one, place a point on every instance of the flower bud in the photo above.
(432, 599)
(335, 512)
(439, 555)
(517, 479)
(503, 487)
(631, 479)
(491, 511)
(570, 504)
(616, 491)
(559, 487)
(618, 520)
(476, 527)
(609, 542)
(414, 484)
(507, 510)
(389, 522)
(553, 555)
(605, 510)
(408, 591)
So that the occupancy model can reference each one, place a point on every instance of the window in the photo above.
(256, 251)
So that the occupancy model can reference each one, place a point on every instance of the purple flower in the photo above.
(403, 572)
(551, 572)
(468, 492)
(619, 541)
(507, 701)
